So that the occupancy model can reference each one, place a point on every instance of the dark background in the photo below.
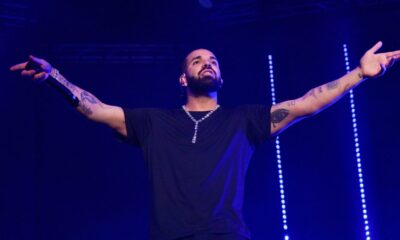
(63, 177)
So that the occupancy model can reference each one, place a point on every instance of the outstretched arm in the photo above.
(372, 65)
(89, 105)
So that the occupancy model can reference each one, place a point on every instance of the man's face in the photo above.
(202, 72)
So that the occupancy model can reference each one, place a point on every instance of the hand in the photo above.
(374, 64)
(37, 75)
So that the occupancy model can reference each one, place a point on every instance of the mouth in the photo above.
(207, 71)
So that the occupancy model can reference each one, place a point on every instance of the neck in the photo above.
(201, 102)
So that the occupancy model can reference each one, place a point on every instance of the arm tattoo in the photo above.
(64, 81)
(87, 100)
(278, 115)
(332, 85)
(85, 96)
(310, 93)
(85, 109)
(291, 103)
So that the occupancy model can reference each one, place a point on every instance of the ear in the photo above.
(182, 80)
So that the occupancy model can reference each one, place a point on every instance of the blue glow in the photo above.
(357, 151)
(278, 156)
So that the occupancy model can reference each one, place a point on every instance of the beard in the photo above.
(204, 85)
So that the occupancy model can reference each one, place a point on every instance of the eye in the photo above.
(196, 62)
(214, 62)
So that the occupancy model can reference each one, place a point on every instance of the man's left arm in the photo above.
(372, 65)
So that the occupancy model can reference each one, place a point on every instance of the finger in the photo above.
(396, 57)
(391, 61)
(383, 69)
(376, 47)
(19, 66)
(394, 53)
(393, 57)
(36, 60)
(40, 76)
(28, 73)
(383, 59)
(44, 65)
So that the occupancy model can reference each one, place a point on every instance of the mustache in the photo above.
(207, 68)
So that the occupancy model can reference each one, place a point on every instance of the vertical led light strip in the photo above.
(358, 153)
(278, 156)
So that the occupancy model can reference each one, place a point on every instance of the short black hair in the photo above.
(188, 50)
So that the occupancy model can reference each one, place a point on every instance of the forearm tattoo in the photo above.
(85, 96)
(86, 100)
(278, 116)
(291, 103)
(332, 85)
(66, 83)
(312, 93)
(85, 109)
(309, 94)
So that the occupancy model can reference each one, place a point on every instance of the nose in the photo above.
(207, 64)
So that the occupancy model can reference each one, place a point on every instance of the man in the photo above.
(198, 155)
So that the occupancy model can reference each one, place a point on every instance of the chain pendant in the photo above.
(195, 132)
(196, 122)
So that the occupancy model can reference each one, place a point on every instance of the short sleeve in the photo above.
(138, 125)
(258, 123)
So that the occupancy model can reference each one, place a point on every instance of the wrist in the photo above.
(54, 73)
(55, 80)
(360, 73)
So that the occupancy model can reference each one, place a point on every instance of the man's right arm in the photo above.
(89, 105)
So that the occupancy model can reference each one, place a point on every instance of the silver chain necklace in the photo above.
(196, 122)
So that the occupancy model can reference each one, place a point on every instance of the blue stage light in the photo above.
(278, 156)
(357, 151)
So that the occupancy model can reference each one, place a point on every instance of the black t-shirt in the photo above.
(197, 187)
